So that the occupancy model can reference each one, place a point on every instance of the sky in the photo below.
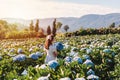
(31, 9)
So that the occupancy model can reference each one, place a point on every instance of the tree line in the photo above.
(111, 29)
(11, 31)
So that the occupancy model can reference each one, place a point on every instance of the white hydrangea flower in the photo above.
(93, 77)
(44, 77)
(43, 66)
(89, 62)
(66, 78)
(80, 79)
(37, 66)
(19, 50)
(24, 72)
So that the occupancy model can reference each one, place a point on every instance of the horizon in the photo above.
(57, 17)
(42, 9)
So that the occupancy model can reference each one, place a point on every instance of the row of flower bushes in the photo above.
(86, 58)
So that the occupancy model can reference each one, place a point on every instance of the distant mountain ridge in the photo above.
(86, 21)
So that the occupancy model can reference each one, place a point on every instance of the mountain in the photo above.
(86, 21)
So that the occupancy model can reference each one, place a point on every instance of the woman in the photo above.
(50, 49)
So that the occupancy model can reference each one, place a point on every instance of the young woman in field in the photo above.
(50, 48)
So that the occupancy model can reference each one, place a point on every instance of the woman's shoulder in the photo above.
(53, 46)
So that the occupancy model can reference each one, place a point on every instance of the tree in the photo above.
(25, 29)
(13, 27)
(66, 27)
(119, 26)
(31, 26)
(54, 27)
(37, 26)
(48, 30)
(112, 25)
(3, 25)
(41, 33)
(58, 25)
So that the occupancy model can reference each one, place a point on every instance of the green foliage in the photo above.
(31, 26)
(10, 31)
(112, 25)
(66, 27)
(90, 31)
(58, 25)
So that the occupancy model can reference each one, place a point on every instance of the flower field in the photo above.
(94, 57)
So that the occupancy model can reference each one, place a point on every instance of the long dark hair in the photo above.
(48, 42)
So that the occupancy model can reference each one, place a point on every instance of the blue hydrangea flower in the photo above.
(73, 54)
(19, 51)
(80, 79)
(108, 61)
(78, 59)
(89, 63)
(20, 57)
(92, 77)
(53, 64)
(66, 78)
(59, 46)
(90, 72)
(86, 57)
(33, 56)
(39, 54)
(113, 54)
(88, 51)
(68, 59)
(0, 58)
(107, 51)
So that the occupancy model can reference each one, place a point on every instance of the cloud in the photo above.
(29, 9)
